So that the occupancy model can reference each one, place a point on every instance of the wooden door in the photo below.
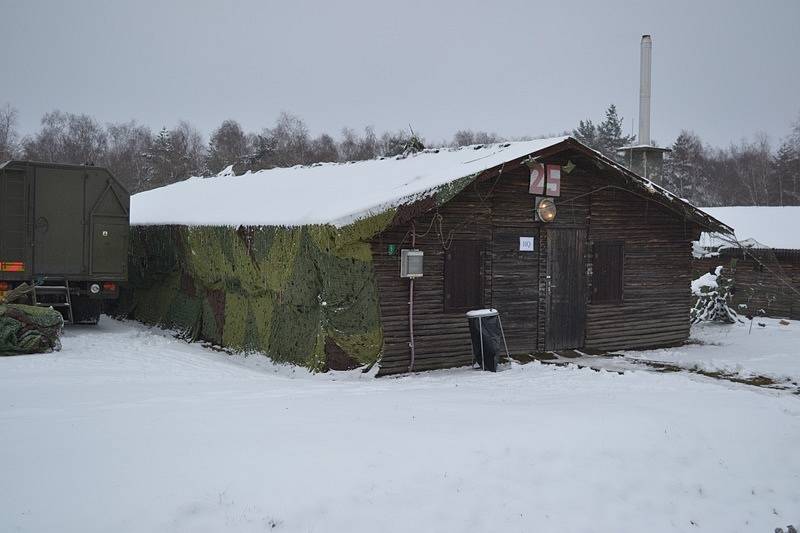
(566, 316)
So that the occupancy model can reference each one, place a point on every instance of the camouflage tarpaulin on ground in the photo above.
(28, 329)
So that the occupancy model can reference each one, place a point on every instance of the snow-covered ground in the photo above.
(772, 350)
(129, 430)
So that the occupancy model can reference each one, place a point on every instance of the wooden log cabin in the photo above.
(610, 271)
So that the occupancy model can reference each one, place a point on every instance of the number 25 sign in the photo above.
(545, 179)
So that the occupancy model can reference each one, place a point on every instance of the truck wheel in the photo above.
(86, 310)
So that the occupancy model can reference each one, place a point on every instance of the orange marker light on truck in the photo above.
(12, 266)
(109, 286)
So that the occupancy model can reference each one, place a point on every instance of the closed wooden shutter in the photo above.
(462, 276)
(607, 272)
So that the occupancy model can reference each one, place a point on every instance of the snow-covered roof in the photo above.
(326, 193)
(342, 193)
(756, 227)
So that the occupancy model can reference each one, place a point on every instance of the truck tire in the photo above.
(86, 310)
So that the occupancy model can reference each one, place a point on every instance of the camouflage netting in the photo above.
(304, 295)
(27, 329)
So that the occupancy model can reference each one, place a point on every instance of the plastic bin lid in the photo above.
(481, 313)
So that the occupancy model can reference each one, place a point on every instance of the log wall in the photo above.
(767, 282)
(442, 339)
(496, 212)
(656, 273)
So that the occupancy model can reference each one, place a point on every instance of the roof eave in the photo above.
(676, 204)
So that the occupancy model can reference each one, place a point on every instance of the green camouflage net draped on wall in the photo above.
(305, 295)
(29, 329)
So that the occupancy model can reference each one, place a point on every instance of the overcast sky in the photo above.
(723, 69)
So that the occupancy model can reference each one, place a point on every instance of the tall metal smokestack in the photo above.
(644, 90)
(643, 158)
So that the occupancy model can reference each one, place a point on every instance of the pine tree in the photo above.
(609, 135)
(684, 173)
(786, 169)
(714, 293)
(159, 157)
(586, 132)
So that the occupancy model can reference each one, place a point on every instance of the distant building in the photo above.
(763, 258)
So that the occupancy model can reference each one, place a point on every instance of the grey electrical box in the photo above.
(411, 263)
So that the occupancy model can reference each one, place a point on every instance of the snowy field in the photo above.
(129, 430)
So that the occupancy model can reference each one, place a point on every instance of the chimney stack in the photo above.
(644, 158)
(644, 90)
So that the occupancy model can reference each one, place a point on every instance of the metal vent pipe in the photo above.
(644, 90)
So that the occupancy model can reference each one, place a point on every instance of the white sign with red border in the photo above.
(553, 180)
(536, 185)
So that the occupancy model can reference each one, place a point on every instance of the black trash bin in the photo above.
(488, 340)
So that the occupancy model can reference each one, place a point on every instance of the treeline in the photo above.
(752, 172)
(144, 160)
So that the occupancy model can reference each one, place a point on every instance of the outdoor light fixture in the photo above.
(545, 209)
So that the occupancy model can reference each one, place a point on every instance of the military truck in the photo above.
(64, 231)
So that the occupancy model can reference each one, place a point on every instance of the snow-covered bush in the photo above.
(713, 298)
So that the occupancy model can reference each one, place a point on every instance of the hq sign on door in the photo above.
(526, 244)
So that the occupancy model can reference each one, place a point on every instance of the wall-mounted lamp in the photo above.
(545, 210)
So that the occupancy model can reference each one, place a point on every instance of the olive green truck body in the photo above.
(63, 223)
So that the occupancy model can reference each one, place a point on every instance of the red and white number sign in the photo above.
(537, 179)
(553, 180)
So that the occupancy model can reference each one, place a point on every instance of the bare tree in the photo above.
(290, 141)
(67, 138)
(355, 147)
(190, 150)
(228, 146)
(469, 137)
(126, 156)
(285, 145)
(9, 138)
(323, 149)
(753, 165)
(394, 143)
